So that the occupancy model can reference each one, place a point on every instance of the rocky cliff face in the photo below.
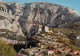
(18, 17)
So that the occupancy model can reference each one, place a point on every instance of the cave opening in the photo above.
(30, 44)
(18, 47)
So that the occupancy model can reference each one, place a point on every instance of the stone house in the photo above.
(43, 29)
(50, 52)
(78, 37)
(67, 50)
(47, 29)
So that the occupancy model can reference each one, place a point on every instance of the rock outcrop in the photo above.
(18, 17)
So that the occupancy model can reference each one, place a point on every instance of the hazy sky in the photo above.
(75, 4)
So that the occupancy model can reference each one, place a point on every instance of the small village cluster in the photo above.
(53, 52)
(50, 48)
(56, 50)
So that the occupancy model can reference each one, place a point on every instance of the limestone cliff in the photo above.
(18, 17)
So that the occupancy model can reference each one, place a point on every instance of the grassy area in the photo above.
(71, 31)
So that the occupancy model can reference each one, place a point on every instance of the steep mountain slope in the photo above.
(44, 26)
(18, 17)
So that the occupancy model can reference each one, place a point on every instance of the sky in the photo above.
(74, 4)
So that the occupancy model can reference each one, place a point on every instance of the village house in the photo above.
(40, 28)
(47, 29)
(50, 52)
(44, 29)
(67, 50)
(78, 37)
(39, 55)
(75, 53)
(42, 46)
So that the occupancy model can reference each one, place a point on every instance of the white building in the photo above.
(50, 52)
(47, 29)
(78, 37)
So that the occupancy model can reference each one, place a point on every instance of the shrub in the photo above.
(21, 38)
(25, 52)
(74, 47)
(6, 50)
